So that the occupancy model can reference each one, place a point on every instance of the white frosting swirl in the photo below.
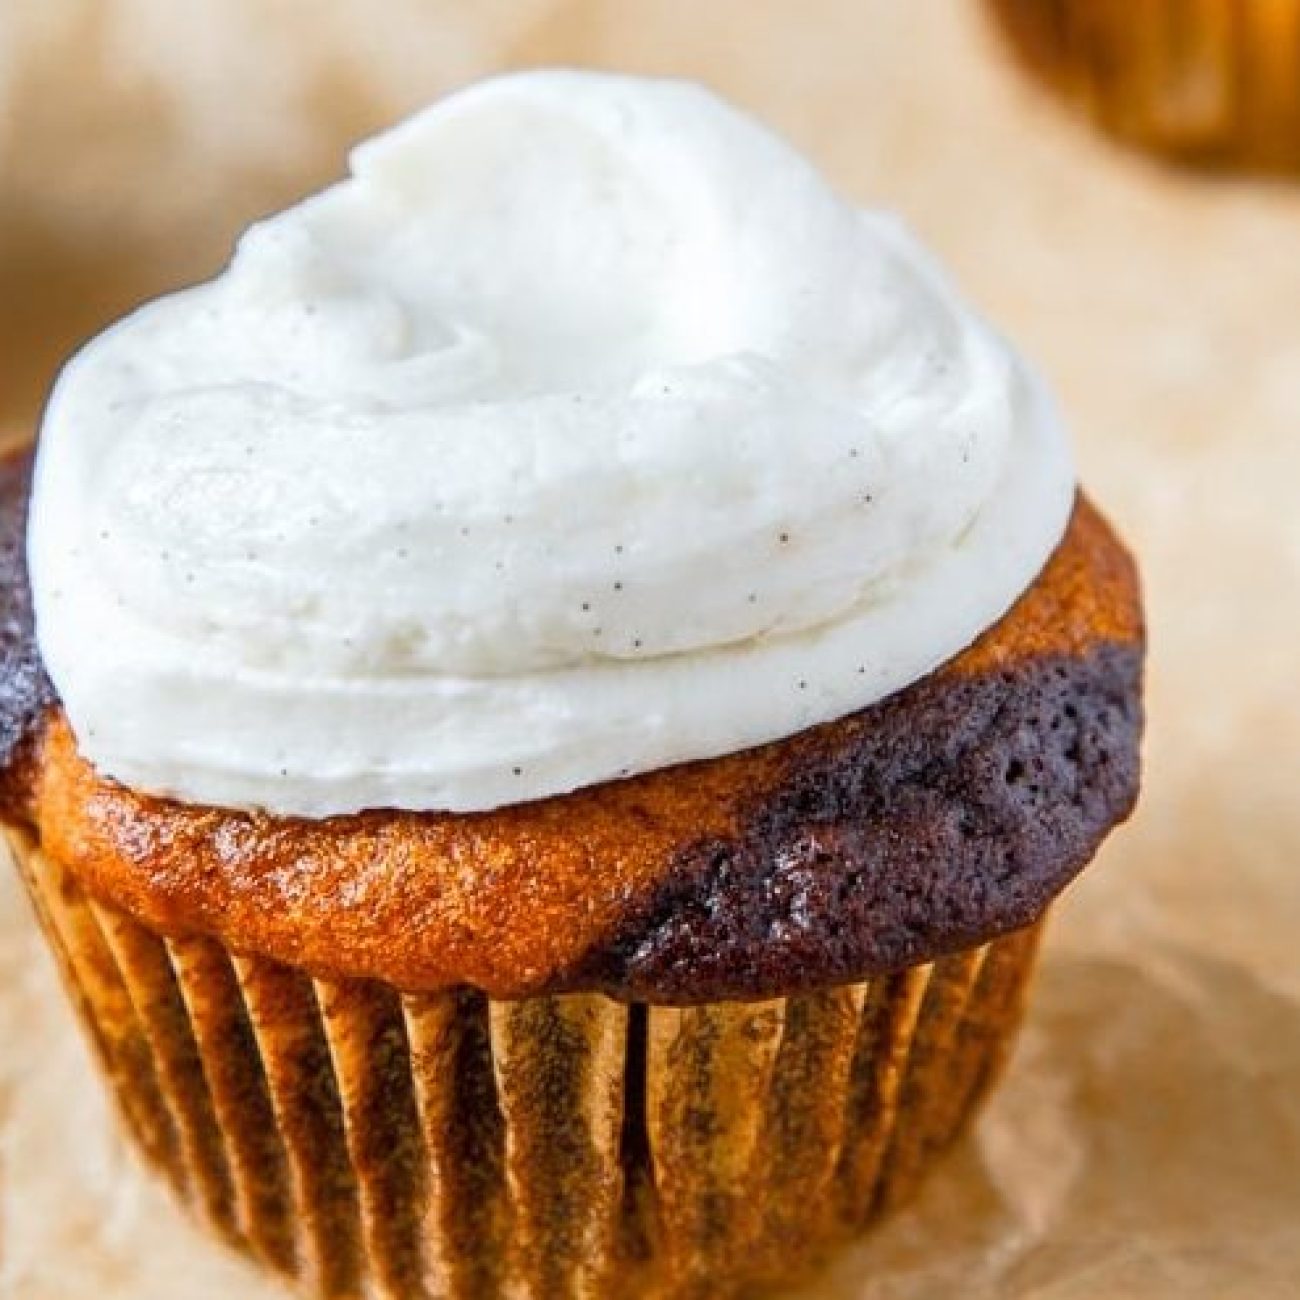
(583, 430)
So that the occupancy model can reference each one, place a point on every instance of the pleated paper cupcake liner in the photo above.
(1209, 81)
(365, 1142)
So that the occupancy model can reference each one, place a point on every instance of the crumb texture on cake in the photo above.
(25, 691)
(950, 813)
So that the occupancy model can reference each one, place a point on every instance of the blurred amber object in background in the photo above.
(1209, 82)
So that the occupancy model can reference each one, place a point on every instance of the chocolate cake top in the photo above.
(25, 690)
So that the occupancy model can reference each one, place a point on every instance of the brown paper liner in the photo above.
(1214, 82)
(361, 1141)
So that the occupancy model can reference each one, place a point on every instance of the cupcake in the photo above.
(544, 709)
(1210, 82)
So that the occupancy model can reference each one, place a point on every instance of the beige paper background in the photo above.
(1147, 1140)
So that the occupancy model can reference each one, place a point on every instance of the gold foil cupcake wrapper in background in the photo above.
(1215, 82)
(367, 1143)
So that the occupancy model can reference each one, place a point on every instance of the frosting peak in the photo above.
(584, 429)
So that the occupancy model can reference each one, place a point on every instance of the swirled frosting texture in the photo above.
(581, 431)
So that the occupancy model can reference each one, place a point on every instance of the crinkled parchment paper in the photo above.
(1146, 1142)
